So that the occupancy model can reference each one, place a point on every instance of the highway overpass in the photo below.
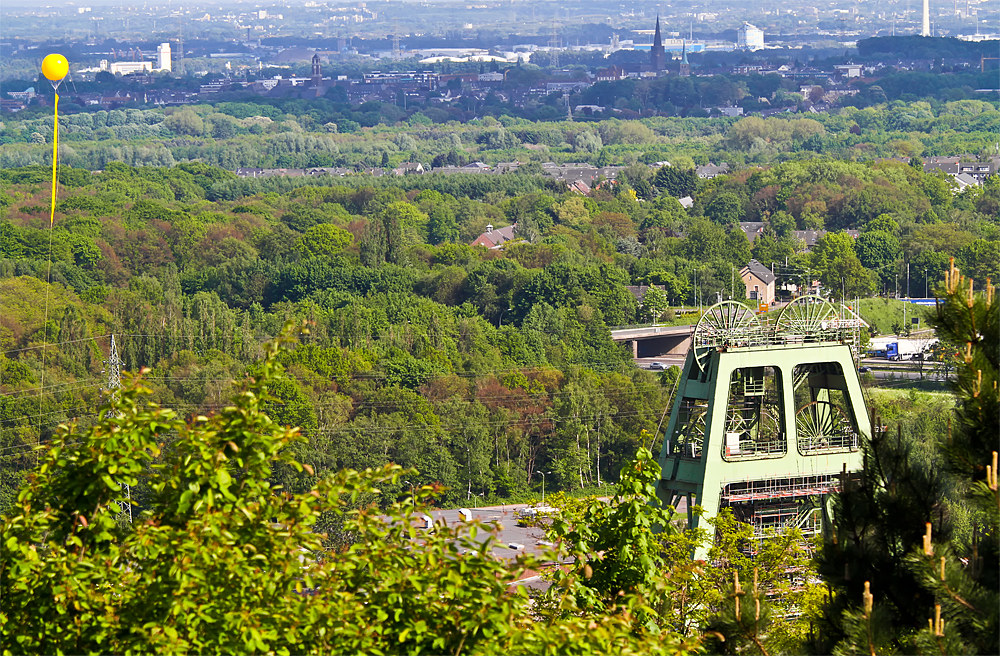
(655, 341)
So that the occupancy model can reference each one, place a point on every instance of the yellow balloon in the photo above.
(55, 67)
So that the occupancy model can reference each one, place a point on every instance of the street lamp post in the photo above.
(925, 284)
(543, 482)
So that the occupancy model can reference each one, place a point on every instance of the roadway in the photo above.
(907, 370)
(530, 539)
(666, 360)
(510, 541)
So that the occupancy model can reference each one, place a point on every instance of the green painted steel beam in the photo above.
(703, 478)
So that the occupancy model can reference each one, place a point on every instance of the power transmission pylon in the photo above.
(396, 53)
(554, 46)
(113, 366)
(179, 65)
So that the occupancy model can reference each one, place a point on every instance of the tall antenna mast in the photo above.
(113, 365)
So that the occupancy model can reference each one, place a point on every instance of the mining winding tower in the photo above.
(768, 417)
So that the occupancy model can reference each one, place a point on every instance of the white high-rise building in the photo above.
(749, 37)
(925, 28)
(163, 57)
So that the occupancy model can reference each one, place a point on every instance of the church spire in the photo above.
(657, 55)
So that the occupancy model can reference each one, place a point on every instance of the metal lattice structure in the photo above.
(725, 324)
(810, 318)
(768, 416)
(113, 367)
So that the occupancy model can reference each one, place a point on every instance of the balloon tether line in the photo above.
(48, 272)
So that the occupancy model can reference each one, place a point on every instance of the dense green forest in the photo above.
(222, 560)
(324, 132)
(339, 337)
(477, 367)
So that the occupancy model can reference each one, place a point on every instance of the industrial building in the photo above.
(749, 37)
(163, 63)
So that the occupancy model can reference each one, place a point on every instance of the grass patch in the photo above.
(679, 319)
(883, 394)
(885, 313)
(913, 409)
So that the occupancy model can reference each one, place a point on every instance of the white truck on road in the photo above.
(897, 348)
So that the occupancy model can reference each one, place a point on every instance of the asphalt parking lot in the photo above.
(528, 539)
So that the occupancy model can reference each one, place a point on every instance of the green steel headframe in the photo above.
(767, 416)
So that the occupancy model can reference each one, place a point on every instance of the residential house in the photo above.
(328, 170)
(954, 166)
(572, 172)
(834, 94)
(612, 74)
(731, 112)
(963, 180)
(759, 281)
(494, 238)
(507, 167)
(751, 229)
(708, 171)
(808, 238)
(563, 87)
(639, 291)
(409, 168)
